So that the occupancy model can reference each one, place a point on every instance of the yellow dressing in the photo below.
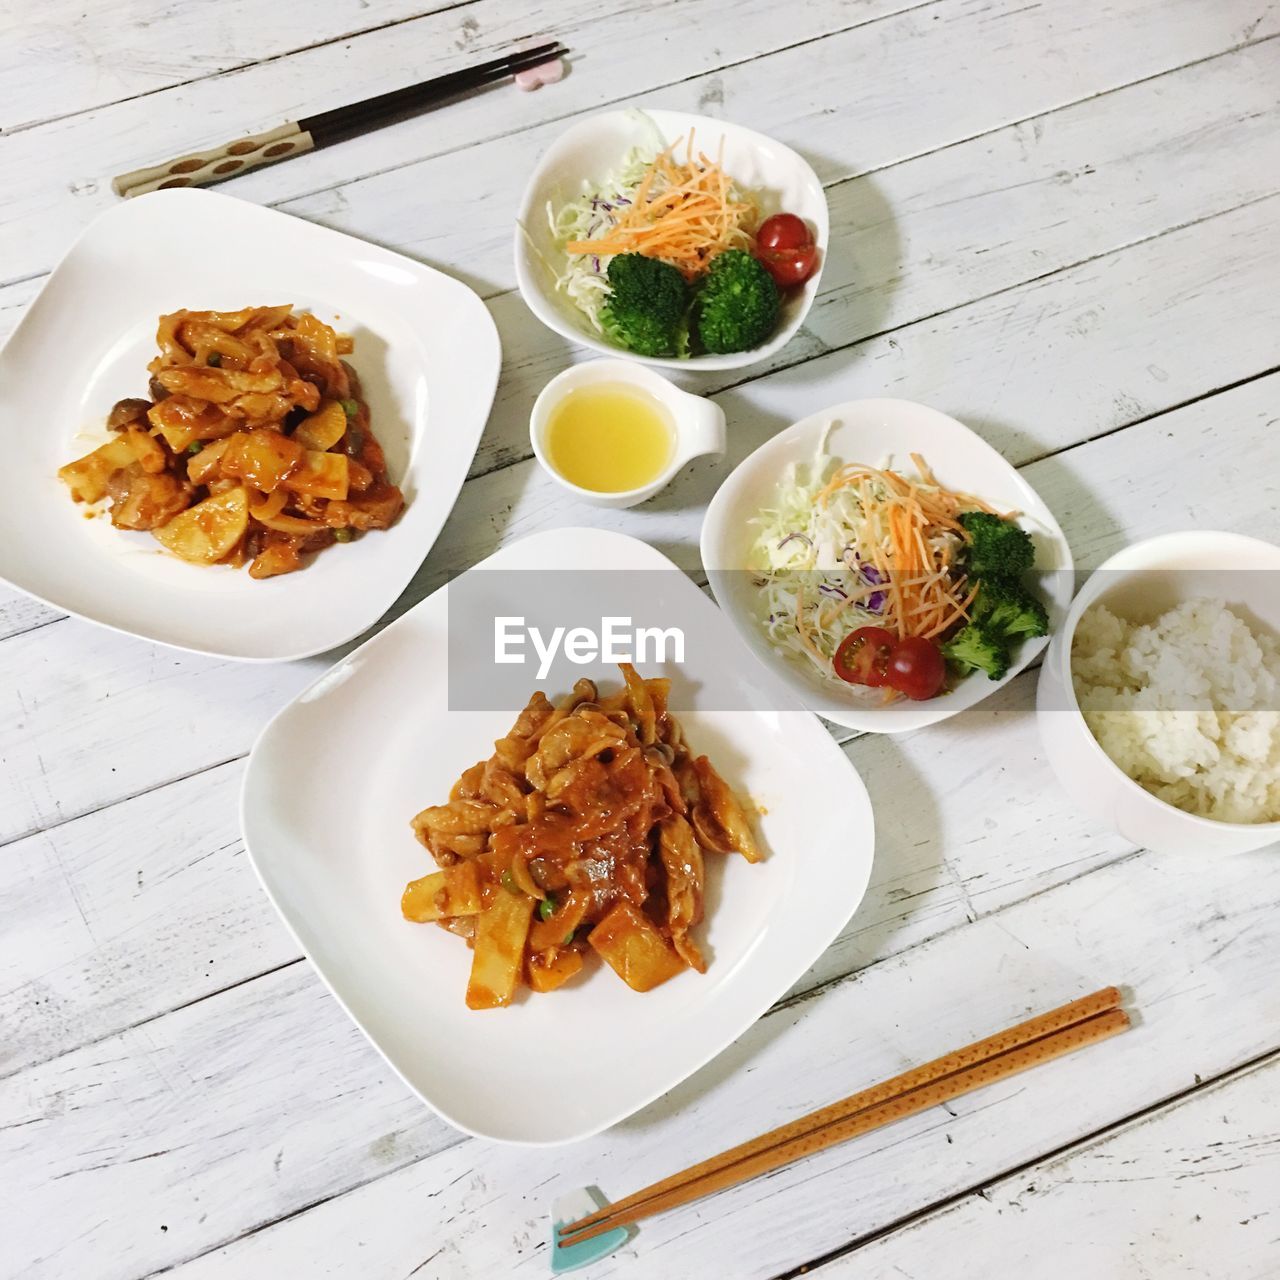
(609, 437)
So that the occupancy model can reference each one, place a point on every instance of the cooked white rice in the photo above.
(1188, 706)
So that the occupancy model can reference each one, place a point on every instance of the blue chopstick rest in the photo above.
(569, 1208)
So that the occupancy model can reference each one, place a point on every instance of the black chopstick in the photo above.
(342, 123)
(295, 137)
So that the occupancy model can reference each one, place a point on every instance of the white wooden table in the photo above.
(1058, 222)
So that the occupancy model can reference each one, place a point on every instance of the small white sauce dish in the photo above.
(779, 179)
(873, 432)
(1138, 584)
(697, 424)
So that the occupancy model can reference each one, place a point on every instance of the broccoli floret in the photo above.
(737, 306)
(997, 548)
(645, 312)
(1009, 609)
(975, 647)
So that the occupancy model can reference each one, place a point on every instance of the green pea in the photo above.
(194, 447)
(546, 907)
(344, 535)
(508, 882)
(350, 407)
(215, 359)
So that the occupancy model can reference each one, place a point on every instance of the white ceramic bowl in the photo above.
(592, 149)
(698, 425)
(872, 431)
(1139, 583)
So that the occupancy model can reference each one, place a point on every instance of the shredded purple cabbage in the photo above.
(808, 542)
(828, 590)
(870, 573)
(874, 603)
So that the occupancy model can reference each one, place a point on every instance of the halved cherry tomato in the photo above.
(916, 668)
(863, 656)
(789, 267)
(784, 231)
(785, 248)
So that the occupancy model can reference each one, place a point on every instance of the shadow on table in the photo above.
(908, 868)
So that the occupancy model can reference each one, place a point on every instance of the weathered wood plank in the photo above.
(13, 302)
(88, 717)
(19, 613)
(51, 69)
(1185, 1192)
(873, 73)
(125, 914)
(250, 1103)
(1185, 937)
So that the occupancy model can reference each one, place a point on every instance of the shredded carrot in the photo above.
(903, 537)
(802, 630)
(683, 212)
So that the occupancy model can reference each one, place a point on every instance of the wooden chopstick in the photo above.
(1023, 1033)
(296, 137)
(1082, 1022)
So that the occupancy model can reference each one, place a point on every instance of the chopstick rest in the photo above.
(569, 1208)
(544, 73)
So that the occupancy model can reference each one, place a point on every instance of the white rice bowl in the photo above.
(1188, 706)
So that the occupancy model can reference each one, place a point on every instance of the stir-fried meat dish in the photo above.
(254, 446)
(584, 831)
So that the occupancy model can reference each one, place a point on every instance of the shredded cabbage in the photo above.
(582, 278)
(805, 565)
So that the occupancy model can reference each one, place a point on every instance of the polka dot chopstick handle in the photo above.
(202, 168)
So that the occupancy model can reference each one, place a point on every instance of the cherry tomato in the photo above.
(916, 668)
(863, 656)
(784, 231)
(789, 267)
(785, 248)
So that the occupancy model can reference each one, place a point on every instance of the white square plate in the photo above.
(335, 858)
(427, 353)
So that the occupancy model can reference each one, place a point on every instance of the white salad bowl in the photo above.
(426, 351)
(875, 432)
(1138, 584)
(779, 179)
